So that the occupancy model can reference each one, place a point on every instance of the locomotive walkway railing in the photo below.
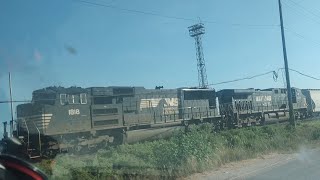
(39, 141)
(267, 107)
(28, 133)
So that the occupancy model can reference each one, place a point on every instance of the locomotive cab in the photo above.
(198, 105)
(313, 101)
(52, 112)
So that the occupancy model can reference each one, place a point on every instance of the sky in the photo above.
(120, 43)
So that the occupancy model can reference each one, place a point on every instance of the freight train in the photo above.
(75, 119)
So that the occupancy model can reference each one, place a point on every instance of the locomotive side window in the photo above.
(102, 100)
(123, 91)
(191, 95)
(63, 99)
(201, 95)
(198, 95)
(276, 91)
(70, 99)
(83, 98)
(240, 96)
(283, 91)
(212, 103)
(74, 99)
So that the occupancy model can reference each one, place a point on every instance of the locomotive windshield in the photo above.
(201, 94)
(102, 100)
(73, 99)
(44, 98)
(198, 94)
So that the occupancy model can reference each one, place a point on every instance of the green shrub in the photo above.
(185, 153)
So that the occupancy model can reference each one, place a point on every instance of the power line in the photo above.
(242, 24)
(275, 76)
(309, 76)
(303, 74)
(274, 73)
(305, 9)
(247, 78)
(173, 17)
(135, 11)
(299, 12)
(301, 36)
(14, 101)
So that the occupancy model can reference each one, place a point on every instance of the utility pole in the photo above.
(291, 113)
(196, 31)
(11, 105)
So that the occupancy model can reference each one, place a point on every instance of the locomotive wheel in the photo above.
(216, 126)
(230, 122)
(50, 153)
(104, 144)
(77, 148)
(297, 115)
(124, 138)
(263, 121)
(119, 138)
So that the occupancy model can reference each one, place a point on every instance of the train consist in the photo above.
(76, 119)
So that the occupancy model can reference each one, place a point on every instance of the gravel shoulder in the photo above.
(247, 168)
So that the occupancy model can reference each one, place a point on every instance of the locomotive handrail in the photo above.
(259, 108)
(28, 143)
(39, 137)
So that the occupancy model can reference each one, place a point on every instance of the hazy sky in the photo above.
(67, 42)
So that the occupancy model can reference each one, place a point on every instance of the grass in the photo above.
(183, 154)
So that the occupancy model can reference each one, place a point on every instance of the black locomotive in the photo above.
(73, 119)
(252, 106)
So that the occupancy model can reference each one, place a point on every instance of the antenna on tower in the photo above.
(196, 31)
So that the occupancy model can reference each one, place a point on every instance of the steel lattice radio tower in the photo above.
(196, 31)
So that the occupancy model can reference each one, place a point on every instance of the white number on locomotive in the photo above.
(74, 112)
